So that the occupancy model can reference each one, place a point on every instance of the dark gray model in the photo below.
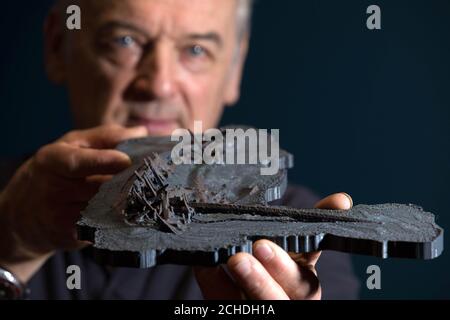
(156, 212)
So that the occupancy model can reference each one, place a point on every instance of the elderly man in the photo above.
(137, 68)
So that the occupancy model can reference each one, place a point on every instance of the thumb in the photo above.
(104, 137)
(337, 201)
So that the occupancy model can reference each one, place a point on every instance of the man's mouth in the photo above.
(155, 127)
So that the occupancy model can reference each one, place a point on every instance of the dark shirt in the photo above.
(167, 281)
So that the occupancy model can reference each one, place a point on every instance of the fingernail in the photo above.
(126, 158)
(263, 252)
(350, 200)
(142, 129)
(243, 267)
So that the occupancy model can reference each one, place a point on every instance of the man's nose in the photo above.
(156, 72)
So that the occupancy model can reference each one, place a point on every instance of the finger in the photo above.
(337, 201)
(216, 284)
(73, 162)
(104, 137)
(298, 282)
(305, 259)
(74, 190)
(62, 222)
(99, 179)
(254, 279)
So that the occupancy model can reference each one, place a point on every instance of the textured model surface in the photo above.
(157, 212)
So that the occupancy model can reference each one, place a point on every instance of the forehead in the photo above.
(164, 16)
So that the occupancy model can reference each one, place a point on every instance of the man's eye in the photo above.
(125, 41)
(196, 57)
(196, 51)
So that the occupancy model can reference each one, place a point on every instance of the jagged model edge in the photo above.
(296, 244)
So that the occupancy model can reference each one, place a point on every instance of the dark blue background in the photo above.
(366, 112)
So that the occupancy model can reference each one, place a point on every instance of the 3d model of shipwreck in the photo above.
(156, 212)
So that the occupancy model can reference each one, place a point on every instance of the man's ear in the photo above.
(53, 47)
(233, 88)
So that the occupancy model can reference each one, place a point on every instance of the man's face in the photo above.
(158, 63)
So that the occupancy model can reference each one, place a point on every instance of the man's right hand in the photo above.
(42, 202)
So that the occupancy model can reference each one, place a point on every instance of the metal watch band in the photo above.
(11, 288)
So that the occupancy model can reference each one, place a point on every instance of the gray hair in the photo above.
(244, 17)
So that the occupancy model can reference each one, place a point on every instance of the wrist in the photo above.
(14, 257)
